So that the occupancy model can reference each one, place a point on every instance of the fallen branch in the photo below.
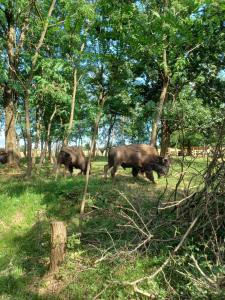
(150, 277)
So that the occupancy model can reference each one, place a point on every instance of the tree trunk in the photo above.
(43, 155)
(50, 151)
(102, 99)
(42, 144)
(9, 93)
(38, 132)
(189, 149)
(58, 242)
(75, 84)
(164, 91)
(159, 111)
(48, 140)
(10, 130)
(28, 134)
(165, 142)
(95, 132)
(25, 142)
(27, 85)
(112, 123)
(67, 136)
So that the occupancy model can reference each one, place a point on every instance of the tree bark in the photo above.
(50, 151)
(189, 148)
(112, 123)
(165, 85)
(14, 44)
(48, 140)
(102, 99)
(159, 111)
(75, 84)
(38, 132)
(95, 132)
(10, 130)
(9, 93)
(28, 134)
(58, 242)
(165, 142)
(66, 139)
(27, 86)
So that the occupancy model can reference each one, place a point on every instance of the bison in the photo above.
(3, 156)
(140, 157)
(72, 157)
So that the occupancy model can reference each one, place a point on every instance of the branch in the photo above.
(201, 272)
(136, 212)
(192, 49)
(177, 203)
(38, 11)
(135, 282)
(23, 31)
(40, 43)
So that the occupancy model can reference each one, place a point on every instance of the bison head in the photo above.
(161, 166)
(3, 157)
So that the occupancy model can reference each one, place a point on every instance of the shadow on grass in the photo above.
(29, 262)
(60, 200)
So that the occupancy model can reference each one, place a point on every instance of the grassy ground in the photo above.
(103, 253)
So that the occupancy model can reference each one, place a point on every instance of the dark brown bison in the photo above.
(3, 156)
(140, 157)
(72, 157)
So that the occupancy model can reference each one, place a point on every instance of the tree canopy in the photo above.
(159, 64)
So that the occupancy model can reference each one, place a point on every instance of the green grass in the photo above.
(28, 206)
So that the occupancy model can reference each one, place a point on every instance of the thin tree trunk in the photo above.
(42, 144)
(10, 130)
(102, 100)
(27, 85)
(112, 123)
(189, 149)
(95, 129)
(41, 40)
(164, 91)
(50, 151)
(165, 142)
(25, 142)
(66, 139)
(162, 99)
(38, 132)
(28, 134)
(47, 141)
(9, 93)
(75, 84)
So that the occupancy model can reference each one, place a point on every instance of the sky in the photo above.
(2, 139)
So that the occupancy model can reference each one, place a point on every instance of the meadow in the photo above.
(108, 250)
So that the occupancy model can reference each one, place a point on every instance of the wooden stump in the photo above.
(58, 242)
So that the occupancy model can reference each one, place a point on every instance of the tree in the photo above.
(14, 25)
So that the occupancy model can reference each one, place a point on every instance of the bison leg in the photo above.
(70, 168)
(113, 172)
(149, 175)
(56, 170)
(135, 172)
(106, 169)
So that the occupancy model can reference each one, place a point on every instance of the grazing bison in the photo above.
(3, 156)
(72, 157)
(140, 157)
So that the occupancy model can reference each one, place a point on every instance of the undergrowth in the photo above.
(110, 252)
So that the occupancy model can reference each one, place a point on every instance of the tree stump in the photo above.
(58, 242)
